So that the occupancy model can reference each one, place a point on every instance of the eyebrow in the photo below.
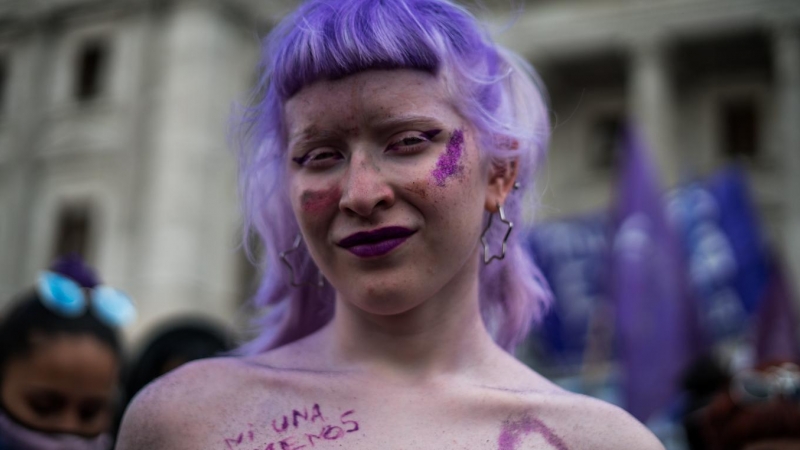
(311, 132)
(314, 133)
(397, 121)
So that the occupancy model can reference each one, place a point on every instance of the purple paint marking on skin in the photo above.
(513, 431)
(237, 440)
(449, 163)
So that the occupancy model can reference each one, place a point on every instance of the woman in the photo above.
(387, 135)
(59, 362)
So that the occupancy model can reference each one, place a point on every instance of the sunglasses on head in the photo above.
(64, 296)
(777, 382)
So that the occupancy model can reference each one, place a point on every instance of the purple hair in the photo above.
(493, 89)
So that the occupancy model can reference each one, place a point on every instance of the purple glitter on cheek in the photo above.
(449, 164)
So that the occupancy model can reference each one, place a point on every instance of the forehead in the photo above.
(78, 364)
(365, 98)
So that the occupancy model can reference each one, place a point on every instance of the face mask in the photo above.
(14, 436)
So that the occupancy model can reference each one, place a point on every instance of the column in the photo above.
(186, 252)
(26, 97)
(651, 103)
(786, 57)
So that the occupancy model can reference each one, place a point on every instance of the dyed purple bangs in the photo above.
(330, 39)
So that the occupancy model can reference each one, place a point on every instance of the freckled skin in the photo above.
(381, 187)
(407, 349)
(419, 188)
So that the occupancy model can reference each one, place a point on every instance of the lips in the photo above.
(367, 244)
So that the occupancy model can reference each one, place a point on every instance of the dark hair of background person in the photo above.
(28, 316)
(733, 426)
(701, 382)
(171, 346)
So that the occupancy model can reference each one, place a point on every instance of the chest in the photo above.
(355, 425)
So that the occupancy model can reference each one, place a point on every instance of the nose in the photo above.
(70, 423)
(365, 188)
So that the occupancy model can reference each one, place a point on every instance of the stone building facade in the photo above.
(113, 143)
(113, 124)
(709, 82)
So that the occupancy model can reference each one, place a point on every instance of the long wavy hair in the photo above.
(492, 88)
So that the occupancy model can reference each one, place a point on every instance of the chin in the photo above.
(384, 299)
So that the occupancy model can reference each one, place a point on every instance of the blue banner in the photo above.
(572, 256)
(727, 254)
(724, 251)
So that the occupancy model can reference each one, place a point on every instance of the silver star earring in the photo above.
(292, 278)
(487, 258)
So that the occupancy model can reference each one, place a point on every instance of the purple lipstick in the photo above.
(368, 244)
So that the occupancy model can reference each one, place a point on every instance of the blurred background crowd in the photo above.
(673, 252)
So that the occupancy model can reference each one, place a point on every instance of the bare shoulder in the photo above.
(209, 400)
(537, 413)
(586, 422)
(610, 426)
(179, 401)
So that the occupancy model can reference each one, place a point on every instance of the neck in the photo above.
(444, 333)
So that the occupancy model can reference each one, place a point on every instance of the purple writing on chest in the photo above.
(297, 418)
(302, 428)
(513, 431)
(245, 436)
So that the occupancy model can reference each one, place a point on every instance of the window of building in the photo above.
(73, 231)
(740, 128)
(90, 70)
(604, 141)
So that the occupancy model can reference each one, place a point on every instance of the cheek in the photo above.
(317, 201)
(450, 180)
(419, 188)
(450, 162)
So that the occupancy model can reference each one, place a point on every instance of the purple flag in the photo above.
(776, 321)
(657, 326)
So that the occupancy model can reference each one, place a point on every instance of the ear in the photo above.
(502, 176)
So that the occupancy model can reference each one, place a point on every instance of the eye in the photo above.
(90, 409)
(412, 142)
(319, 158)
(46, 404)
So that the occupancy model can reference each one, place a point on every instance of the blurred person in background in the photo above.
(173, 345)
(759, 410)
(60, 361)
(701, 382)
(380, 171)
